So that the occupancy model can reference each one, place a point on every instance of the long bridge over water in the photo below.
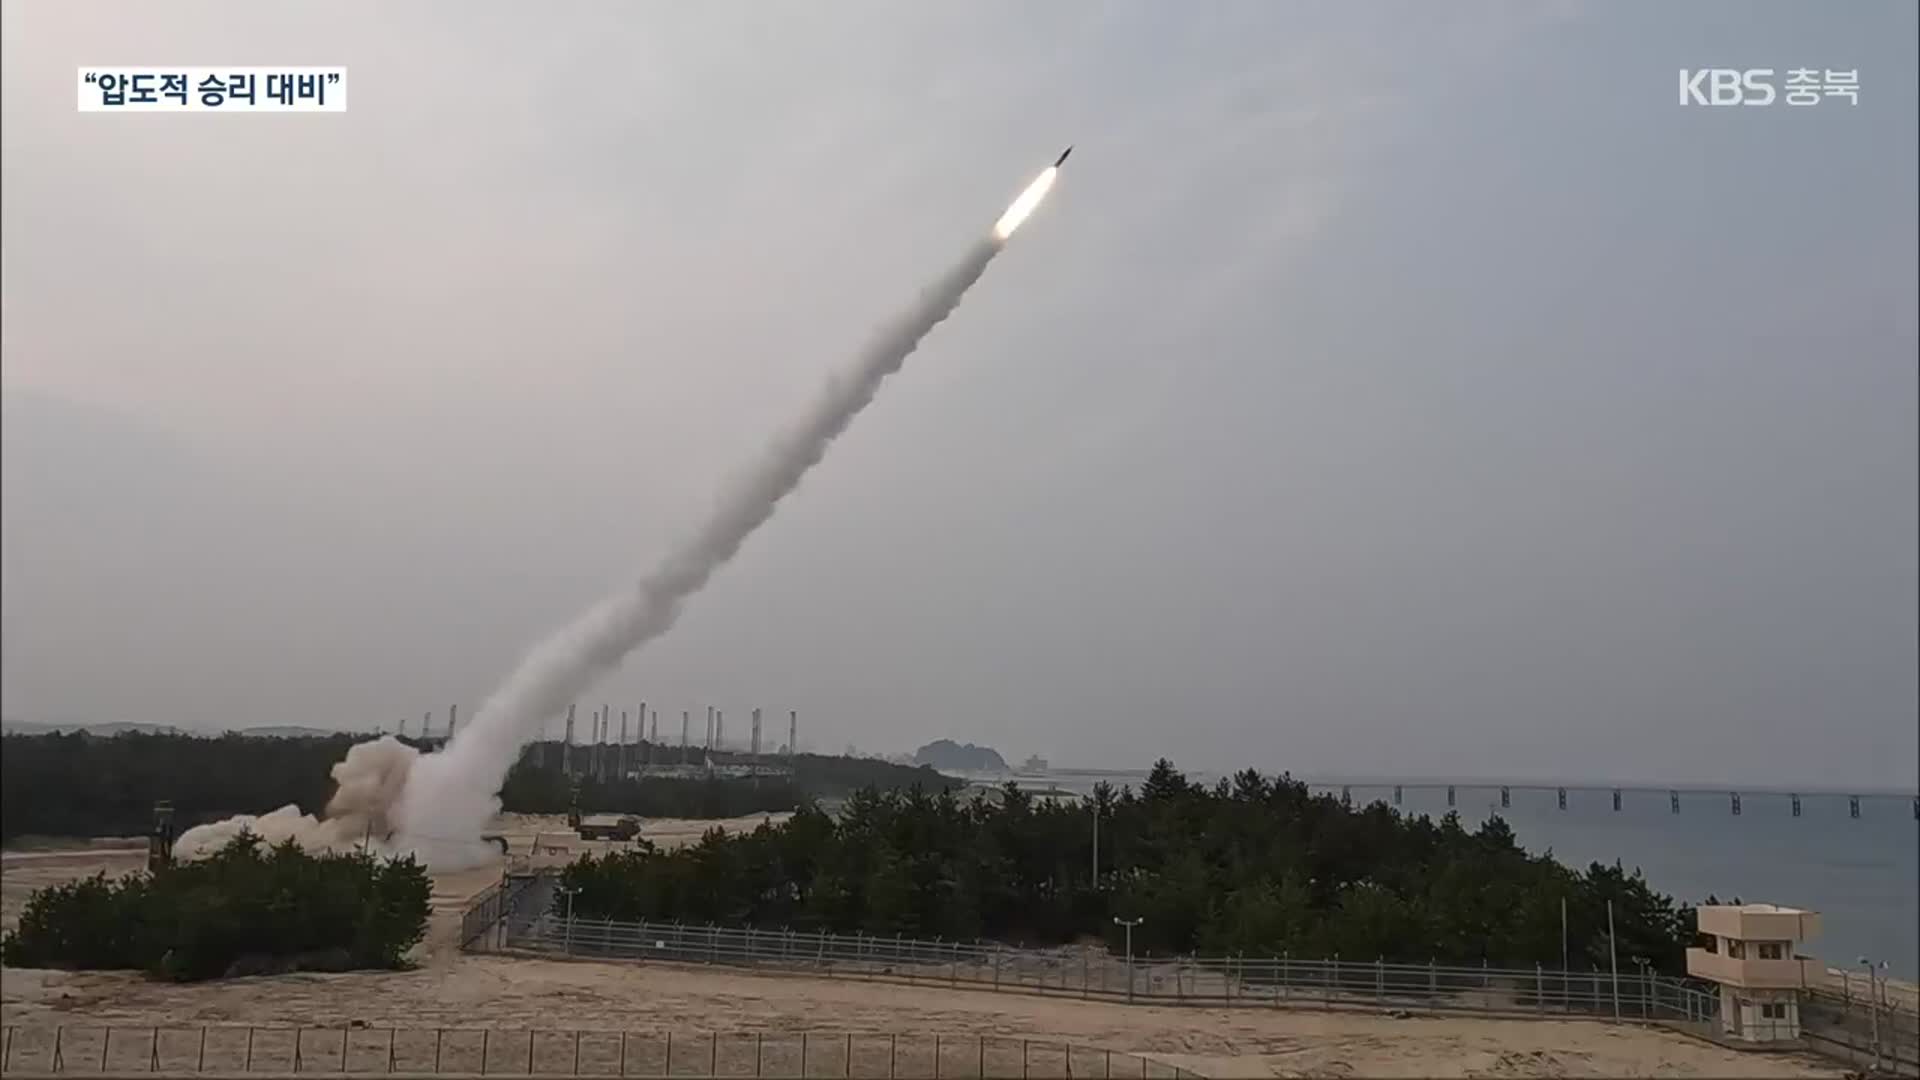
(1730, 795)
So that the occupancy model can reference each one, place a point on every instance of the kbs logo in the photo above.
(1726, 86)
(1754, 86)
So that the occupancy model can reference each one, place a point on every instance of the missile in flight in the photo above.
(1028, 199)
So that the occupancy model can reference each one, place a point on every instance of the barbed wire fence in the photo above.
(255, 1050)
(1847, 1027)
(1092, 972)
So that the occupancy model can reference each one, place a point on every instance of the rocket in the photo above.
(1028, 199)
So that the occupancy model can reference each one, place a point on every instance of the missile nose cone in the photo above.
(1062, 159)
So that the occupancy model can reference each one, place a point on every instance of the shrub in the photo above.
(244, 910)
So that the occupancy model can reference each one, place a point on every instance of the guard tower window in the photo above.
(1772, 950)
(1736, 948)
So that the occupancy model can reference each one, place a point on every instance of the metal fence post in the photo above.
(936, 1056)
(669, 1068)
(249, 1066)
(713, 1055)
(983, 1057)
(803, 1054)
(1285, 976)
(849, 1061)
(893, 1055)
(107, 1041)
(1539, 989)
(1026, 1045)
(1109, 1075)
(202, 1067)
(1379, 979)
(759, 1051)
(576, 1055)
(153, 1054)
(623, 1050)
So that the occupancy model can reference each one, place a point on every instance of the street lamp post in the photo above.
(569, 893)
(1873, 1006)
(1129, 924)
(1095, 805)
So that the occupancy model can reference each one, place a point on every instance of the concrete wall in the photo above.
(1742, 1015)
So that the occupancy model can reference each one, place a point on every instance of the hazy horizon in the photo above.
(1385, 390)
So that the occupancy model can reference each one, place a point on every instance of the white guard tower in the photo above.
(1751, 955)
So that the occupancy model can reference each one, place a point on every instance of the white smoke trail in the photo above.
(449, 796)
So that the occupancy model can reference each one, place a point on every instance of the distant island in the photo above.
(947, 754)
(127, 727)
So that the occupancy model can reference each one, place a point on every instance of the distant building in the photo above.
(1750, 953)
(1038, 793)
(1034, 764)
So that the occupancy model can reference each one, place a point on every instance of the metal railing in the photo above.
(812, 1055)
(1853, 1027)
(514, 902)
(1092, 972)
(1839, 1024)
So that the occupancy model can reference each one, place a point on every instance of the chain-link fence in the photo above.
(506, 907)
(808, 1055)
(1856, 1025)
(1842, 1024)
(1093, 972)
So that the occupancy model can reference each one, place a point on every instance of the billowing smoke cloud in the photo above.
(368, 782)
(450, 795)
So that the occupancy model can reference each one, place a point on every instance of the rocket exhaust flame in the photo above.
(1026, 202)
(445, 799)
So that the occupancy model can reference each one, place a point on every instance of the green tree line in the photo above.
(1253, 866)
(531, 790)
(243, 910)
(81, 784)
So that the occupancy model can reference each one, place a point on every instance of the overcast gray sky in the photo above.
(1386, 388)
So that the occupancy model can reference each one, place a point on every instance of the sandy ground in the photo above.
(453, 989)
